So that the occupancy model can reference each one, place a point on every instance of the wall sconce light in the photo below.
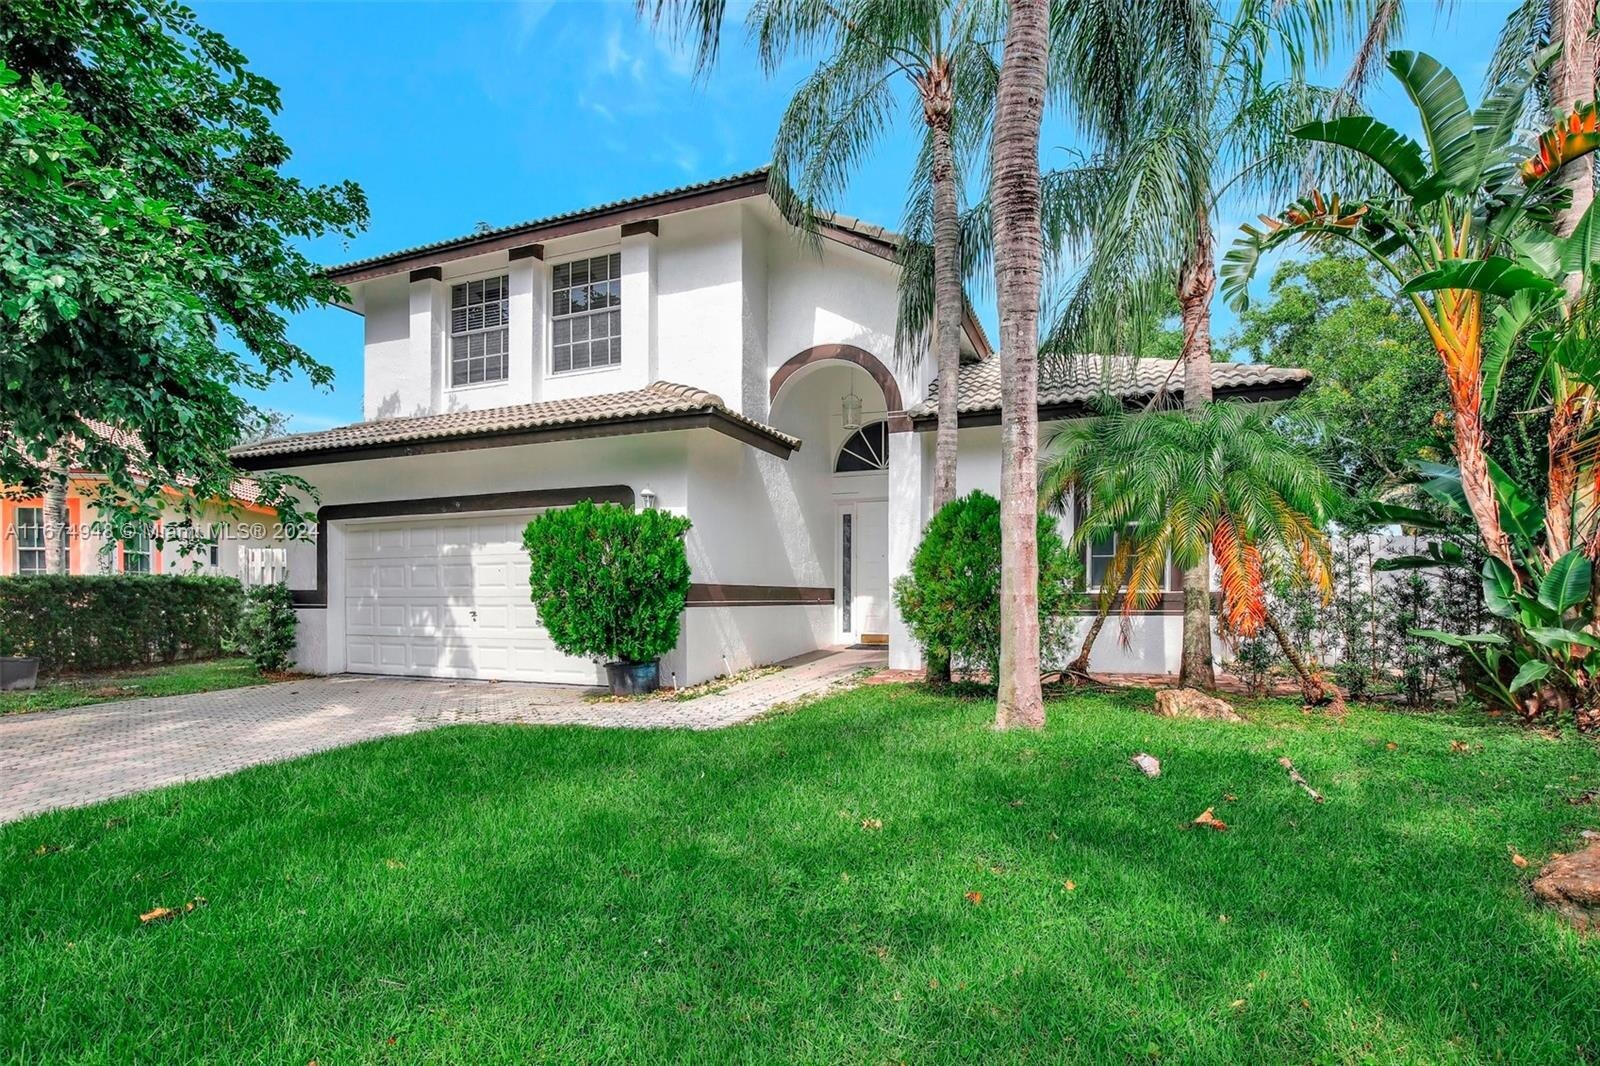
(851, 406)
(647, 498)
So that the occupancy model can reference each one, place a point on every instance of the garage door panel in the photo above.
(492, 619)
(448, 598)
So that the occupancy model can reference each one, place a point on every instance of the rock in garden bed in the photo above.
(1192, 703)
(1571, 884)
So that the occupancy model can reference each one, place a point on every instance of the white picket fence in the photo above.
(263, 566)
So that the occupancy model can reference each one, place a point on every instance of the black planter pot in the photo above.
(633, 679)
(18, 672)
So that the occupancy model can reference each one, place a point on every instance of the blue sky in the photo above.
(452, 114)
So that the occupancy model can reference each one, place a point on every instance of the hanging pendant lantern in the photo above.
(851, 406)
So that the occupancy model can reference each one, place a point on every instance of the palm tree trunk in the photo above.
(1196, 285)
(1572, 81)
(1080, 664)
(937, 105)
(55, 524)
(1019, 268)
(1311, 687)
(1569, 411)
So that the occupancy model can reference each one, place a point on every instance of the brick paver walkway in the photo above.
(83, 755)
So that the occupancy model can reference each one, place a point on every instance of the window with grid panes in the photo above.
(1102, 550)
(479, 337)
(586, 314)
(30, 540)
(136, 552)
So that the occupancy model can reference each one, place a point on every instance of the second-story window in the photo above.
(586, 314)
(478, 331)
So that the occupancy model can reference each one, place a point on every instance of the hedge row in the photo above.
(91, 622)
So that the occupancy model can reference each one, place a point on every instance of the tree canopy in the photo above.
(149, 247)
(1376, 397)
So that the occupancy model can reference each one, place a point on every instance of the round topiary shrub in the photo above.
(951, 598)
(609, 582)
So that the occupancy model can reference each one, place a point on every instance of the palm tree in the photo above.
(1104, 49)
(847, 105)
(1525, 41)
(1213, 113)
(1220, 485)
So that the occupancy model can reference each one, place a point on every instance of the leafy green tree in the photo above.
(1464, 232)
(148, 249)
(951, 597)
(1376, 400)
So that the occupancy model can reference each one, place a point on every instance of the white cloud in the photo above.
(529, 14)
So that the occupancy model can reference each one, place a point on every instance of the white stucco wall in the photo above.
(751, 527)
(392, 387)
(720, 298)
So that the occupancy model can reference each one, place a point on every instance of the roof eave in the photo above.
(1272, 392)
(752, 183)
(714, 418)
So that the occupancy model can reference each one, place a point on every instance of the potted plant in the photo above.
(610, 583)
(16, 671)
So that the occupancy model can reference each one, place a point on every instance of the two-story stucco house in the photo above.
(685, 350)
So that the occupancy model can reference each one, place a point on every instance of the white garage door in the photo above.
(448, 598)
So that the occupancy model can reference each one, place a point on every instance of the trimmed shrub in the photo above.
(609, 582)
(951, 598)
(267, 627)
(92, 622)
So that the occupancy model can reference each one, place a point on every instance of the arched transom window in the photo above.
(865, 449)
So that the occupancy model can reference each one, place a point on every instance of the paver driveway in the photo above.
(83, 755)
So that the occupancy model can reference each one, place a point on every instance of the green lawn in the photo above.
(514, 894)
(176, 679)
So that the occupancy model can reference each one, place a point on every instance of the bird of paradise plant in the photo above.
(1466, 229)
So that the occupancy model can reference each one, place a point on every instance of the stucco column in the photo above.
(641, 362)
(906, 499)
(426, 371)
(525, 329)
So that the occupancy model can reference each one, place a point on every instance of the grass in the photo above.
(498, 894)
(173, 679)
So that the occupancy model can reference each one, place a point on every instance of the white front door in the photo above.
(448, 597)
(863, 593)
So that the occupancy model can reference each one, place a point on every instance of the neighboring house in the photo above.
(685, 350)
(234, 537)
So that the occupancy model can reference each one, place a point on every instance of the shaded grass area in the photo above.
(486, 894)
(173, 679)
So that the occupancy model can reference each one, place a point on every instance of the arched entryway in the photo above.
(843, 403)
